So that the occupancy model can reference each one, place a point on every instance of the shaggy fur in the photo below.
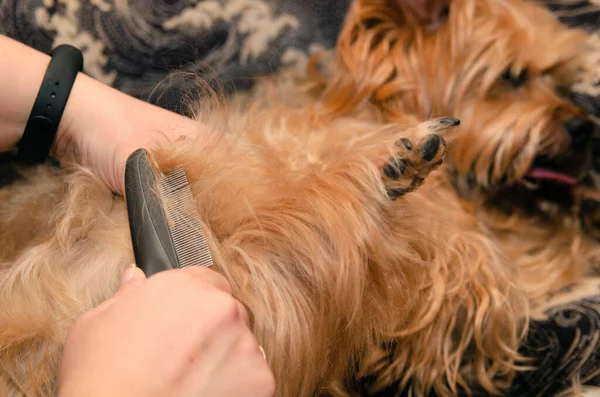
(501, 67)
(310, 204)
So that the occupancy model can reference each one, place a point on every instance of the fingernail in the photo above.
(128, 274)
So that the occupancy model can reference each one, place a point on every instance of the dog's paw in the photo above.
(411, 164)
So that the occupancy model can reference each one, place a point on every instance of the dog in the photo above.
(523, 149)
(364, 229)
(521, 159)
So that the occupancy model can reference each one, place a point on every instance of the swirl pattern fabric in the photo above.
(134, 44)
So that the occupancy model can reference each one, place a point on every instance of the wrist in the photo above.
(102, 126)
(24, 70)
(75, 110)
(50, 103)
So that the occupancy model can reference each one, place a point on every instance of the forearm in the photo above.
(96, 109)
(93, 110)
(21, 72)
(123, 123)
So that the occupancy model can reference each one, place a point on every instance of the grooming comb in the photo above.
(165, 227)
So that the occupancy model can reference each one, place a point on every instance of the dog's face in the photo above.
(503, 67)
(509, 84)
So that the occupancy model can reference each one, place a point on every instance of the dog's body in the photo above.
(502, 70)
(310, 212)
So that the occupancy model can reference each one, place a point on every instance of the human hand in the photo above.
(100, 126)
(178, 333)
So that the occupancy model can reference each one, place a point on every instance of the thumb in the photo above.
(132, 276)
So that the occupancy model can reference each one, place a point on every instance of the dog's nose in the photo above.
(580, 130)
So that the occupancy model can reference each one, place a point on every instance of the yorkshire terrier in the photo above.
(523, 152)
(521, 161)
(322, 208)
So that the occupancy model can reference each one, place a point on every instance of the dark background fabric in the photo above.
(134, 45)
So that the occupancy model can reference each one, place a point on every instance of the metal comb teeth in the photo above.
(184, 221)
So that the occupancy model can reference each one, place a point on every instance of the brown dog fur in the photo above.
(409, 74)
(297, 199)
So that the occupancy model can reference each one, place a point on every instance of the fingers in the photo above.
(217, 280)
(132, 275)
(205, 275)
(243, 312)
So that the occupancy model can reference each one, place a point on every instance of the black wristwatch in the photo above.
(49, 106)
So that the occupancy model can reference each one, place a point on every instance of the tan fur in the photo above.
(411, 74)
(340, 281)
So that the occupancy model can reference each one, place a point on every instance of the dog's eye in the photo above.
(516, 80)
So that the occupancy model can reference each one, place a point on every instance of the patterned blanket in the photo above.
(132, 45)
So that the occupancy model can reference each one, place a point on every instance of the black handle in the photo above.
(150, 234)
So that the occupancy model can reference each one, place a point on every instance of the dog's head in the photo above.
(503, 67)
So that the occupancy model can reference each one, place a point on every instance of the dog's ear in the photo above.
(428, 13)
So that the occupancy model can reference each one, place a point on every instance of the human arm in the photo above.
(100, 126)
(180, 333)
